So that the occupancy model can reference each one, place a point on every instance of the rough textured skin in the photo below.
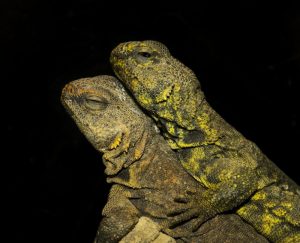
(147, 178)
(236, 174)
(227, 225)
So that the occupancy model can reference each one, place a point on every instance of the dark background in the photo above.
(246, 55)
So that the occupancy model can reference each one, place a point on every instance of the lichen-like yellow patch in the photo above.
(173, 144)
(138, 153)
(225, 175)
(164, 95)
(287, 205)
(280, 212)
(211, 134)
(191, 167)
(196, 155)
(171, 128)
(120, 64)
(116, 141)
(245, 211)
(130, 46)
(134, 84)
(166, 114)
(192, 164)
(259, 196)
(145, 99)
(269, 223)
(271, 204)
(292, 238)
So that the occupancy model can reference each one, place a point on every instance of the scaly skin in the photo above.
(236, 174)
(147, 178)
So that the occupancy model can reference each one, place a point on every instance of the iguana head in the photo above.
(159, 82)
(108, 117)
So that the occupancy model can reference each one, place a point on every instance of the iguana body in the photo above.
(236, 174)
(148, 180)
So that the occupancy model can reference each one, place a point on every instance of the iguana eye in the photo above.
(95, 103)
(145, 54)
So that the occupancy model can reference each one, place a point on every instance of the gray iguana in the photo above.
(236, 174)
(148, 180)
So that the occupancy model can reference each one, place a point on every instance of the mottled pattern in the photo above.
(147, 178)
(230, 167)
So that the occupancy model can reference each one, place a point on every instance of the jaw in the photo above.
(114, 155)
(126, 147)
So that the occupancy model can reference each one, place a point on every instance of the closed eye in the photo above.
(95, 103)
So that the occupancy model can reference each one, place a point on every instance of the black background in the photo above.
(246, 55)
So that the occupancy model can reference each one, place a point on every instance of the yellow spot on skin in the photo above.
(287, 205)
(130, 46)
(269, 223)
(259, 196)
(171, 128)
(192, 167)
(134, 84)
(116, 141)
(192, 164)
(173, 144)
(244, 211)
(271, 204)
(294, 237)
(164, 95)
(120, 64)
(279, 212)
(166, 114)
(138, 153)
(211, 134)
(145, 100)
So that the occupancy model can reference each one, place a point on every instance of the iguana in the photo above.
(237, 176)
(148, 181)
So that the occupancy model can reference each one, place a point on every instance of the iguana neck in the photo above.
(200, 127)
(131, 175)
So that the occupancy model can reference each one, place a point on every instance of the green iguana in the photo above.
(236, 174)
(148, 181)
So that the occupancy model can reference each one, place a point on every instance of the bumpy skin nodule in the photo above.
(148, 180)
(237, 175)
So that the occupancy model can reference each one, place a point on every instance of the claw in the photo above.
(183, 218)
